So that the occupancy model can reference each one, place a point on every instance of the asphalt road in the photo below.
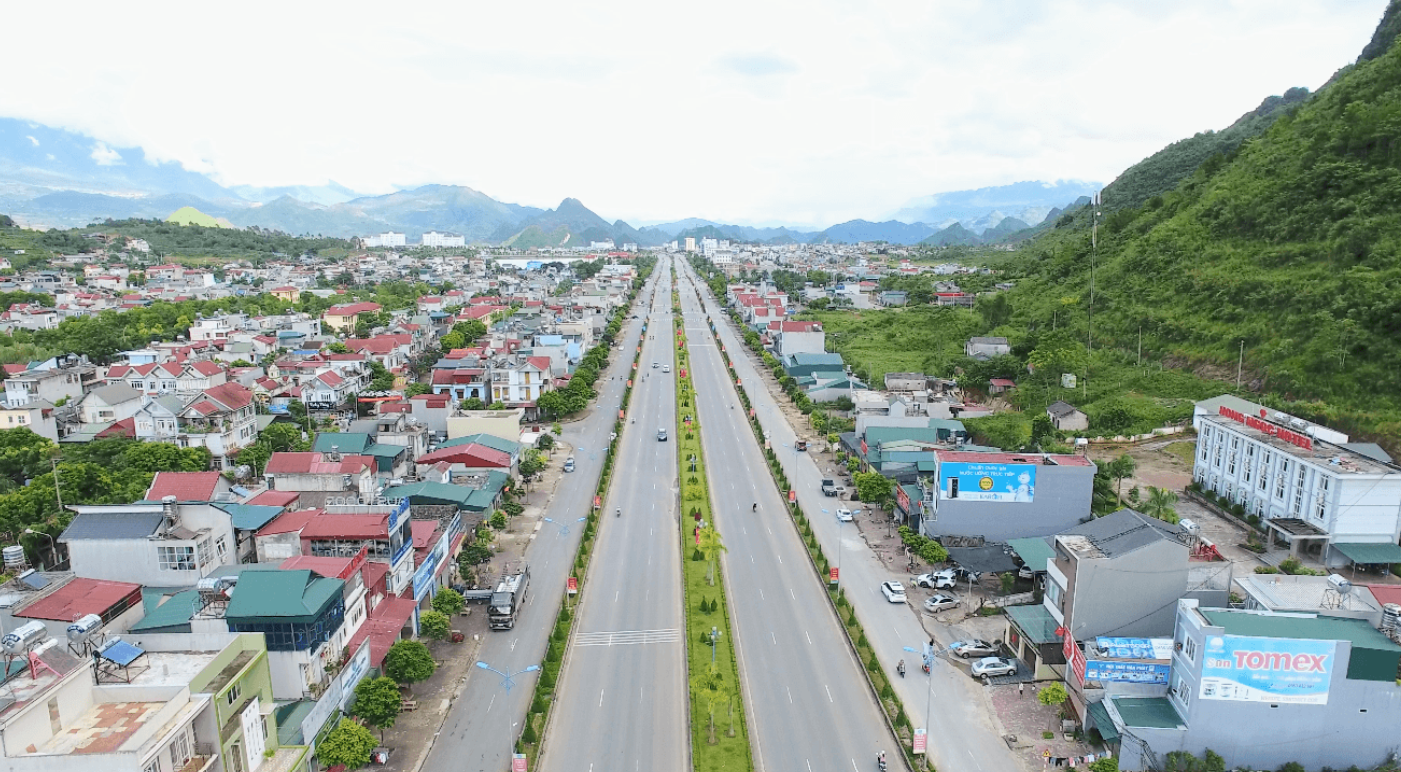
(481, 728)
(622, 699)
(809, 706)
(962, 737)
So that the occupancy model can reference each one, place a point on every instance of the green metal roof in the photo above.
(172, 616)
(289, 721)
(283, 596)
(250, 517)
(490, 440)
(1034, 551)
(925, 465)
(431, 493)
(1035, 622)
(1373, 657)
(348, 442)
(1149, 712)
(879, 435)
(1099, 717)
(384, 455)
(1369, 553)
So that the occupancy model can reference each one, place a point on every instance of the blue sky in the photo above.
(808, 112)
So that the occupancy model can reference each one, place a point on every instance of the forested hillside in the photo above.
(1288, 244)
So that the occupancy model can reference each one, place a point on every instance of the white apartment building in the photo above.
(387, 239)
(439, 240)
(1310, 487)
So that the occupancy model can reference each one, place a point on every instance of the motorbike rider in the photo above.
(618, 512)
(901, 668)
(754, 508)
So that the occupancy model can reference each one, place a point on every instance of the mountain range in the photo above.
(51, 177)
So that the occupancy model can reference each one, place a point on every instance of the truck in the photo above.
(829, 487)
(509, 596)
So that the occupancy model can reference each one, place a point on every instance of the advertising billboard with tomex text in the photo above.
(988, 482)
(1249, 669)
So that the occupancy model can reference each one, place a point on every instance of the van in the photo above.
(569, 464)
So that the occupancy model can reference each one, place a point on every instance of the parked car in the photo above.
(975, 647)
(936, 603)
(934, 581)
(844, 515)
(569, 464)
(958, 574)
(987, 667)
(894, 591)
(1027, 572)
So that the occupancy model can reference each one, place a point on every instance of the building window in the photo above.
(1231, 463)
(1322, 497)
(154, 766)
(1235, 443)
(1190, 649)
(22, 419)
(1216, 460)
(205, 554)
(232, 696)
(1298, 501)
(176, 558)
(1182, 693)
(1280, 478)
(221, 547)
(180, 749)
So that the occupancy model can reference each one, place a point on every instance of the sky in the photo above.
(806, 113)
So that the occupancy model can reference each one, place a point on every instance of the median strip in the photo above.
(719, 733)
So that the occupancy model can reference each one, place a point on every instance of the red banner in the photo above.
(596, 502)
(1074, 656)
(518, 762)
(902, 498)
(621, 415)
(864, 450)
(573, 584)
(921, 741)
(834, 573)
(792, 495)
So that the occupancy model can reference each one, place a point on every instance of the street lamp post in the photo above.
(928, 655)
(714, 643)
(507, 676)
(563, 527)
(53, 545)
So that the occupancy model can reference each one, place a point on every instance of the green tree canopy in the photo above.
(377, 703)
(348, 745)
(408, 662)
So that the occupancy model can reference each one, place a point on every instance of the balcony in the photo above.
(203, 760)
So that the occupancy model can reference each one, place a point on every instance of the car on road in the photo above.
(938, 580)
(829, 487)
(655, 365)
(894, 591)
(940, 602)
(987, 667)
(845, 515)
(569, 464)
(974, 647)
(666, 368)
(661, 435)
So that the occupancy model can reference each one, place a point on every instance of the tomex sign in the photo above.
(1250, 669)
(1261, 425)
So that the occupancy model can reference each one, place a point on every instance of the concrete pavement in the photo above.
(623, 692)
(481, 728)
(963, 734)
(808, 704)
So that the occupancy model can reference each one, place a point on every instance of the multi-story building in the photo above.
(519, 383)
(1336, 501)
(37, 416)
(221, 419)
(1004, 496)
(332, 472)
(439, 240)
(50, 385)
(1265, 690)
(343, 318)
(169, 544)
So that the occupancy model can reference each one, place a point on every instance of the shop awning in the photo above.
(1369, 553)
(1100, 720)
(1034, 552)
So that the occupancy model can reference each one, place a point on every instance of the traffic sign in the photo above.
(921, 740)
(834, 574)
(518, 762)
(792, 495)
(573, 585)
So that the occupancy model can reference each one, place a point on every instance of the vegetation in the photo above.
(448, 601)
(348, 745)
(434, 625)
(408, 662)
(377, 703)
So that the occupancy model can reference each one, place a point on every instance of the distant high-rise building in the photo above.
(388, 239)
(439, 240)
(690, 243)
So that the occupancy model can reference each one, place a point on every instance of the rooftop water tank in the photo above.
(83, 629)
(23, 637)
(13, 556)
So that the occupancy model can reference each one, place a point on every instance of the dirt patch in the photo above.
(1161, 463)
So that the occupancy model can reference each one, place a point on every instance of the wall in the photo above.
(30, 725)
(278, 547)
(1062, 500)
(1133, 595)
(498, 423)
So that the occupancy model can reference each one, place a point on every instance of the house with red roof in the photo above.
(520, 383)
(390, 350)
(343, 473)
(326, 391)
(288, 293)
(343, 318)
(221, 419)
(797, 338)
(201, 375)
(188, 486)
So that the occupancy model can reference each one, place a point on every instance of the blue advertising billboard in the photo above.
(1250, 669)
(1126, 672)
(988, 482)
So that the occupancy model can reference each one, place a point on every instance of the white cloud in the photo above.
(105, 156)
(811, 112)
(32, 139)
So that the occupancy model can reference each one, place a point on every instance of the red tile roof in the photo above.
(123, 428)
(206, 367)
(275, 498)
(975, 457)
(287, 522)
(184, 486)
(352, 308)
(471, 454)
(327, 526)
(83, 596)
(383, 625)
(316, 463)
(234, 396)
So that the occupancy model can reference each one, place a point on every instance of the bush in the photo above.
(529, 736)
(434, 624)
(1266, 570)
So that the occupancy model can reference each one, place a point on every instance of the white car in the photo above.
(845, 515)
(666, 368)
(937, 603)
(894, 591)
(988, 667)
(935, 581)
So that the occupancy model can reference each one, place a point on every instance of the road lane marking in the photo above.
(489, 704)
(600, 698)
(790, 702)
(853, 765)
(809, 637)
(774, 637)
(627, 637)
(791, 595)
(751, 558)
(780, 558)
(761, 594)
(829, 693)
(615, 595)
(809, 763)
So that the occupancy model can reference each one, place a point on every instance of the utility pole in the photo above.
(1140, 344)
(1240, 364)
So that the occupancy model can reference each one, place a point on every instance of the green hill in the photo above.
(1290, 244)
(188, 215)
(1165, 169)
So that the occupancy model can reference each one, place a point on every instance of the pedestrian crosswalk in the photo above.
(627, 637)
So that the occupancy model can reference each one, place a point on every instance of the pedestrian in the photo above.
(1021, 688)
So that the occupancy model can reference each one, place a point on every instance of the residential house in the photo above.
(202, 375)
(326, 472)
(168, 544)
(520, 383)
(152, 378)
(50, 385)
(36, 416)
(1066, 418)
(106, 404)
(220, 419)
(791, 338)
(981, 348)
(344, 318)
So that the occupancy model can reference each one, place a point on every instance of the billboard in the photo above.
(1134, 648)
(1250, 669)
(1126, 672)
(988, 482)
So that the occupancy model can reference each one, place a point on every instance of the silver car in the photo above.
(937, 603)
(988, 667)
(975, 647)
